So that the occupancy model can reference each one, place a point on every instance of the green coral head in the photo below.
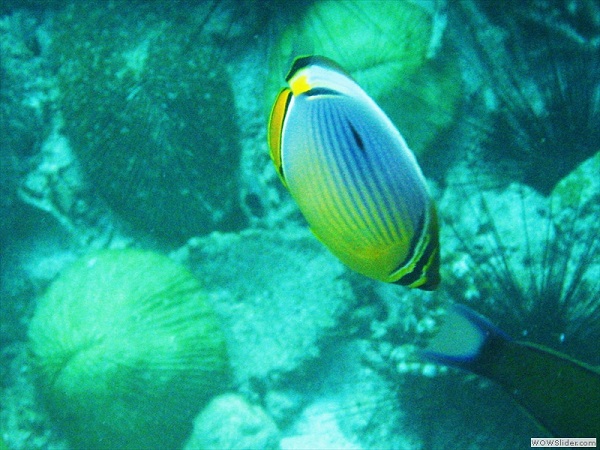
(127, 350)
(388, 48)
(377, 42)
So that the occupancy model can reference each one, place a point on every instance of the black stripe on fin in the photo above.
(314, 92)
(305, 61)
(428, 258)
(414, 243)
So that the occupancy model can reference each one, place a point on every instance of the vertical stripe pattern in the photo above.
(354, 179)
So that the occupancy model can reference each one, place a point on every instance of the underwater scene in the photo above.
(319, 224)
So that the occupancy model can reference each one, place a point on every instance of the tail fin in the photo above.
(461, 337)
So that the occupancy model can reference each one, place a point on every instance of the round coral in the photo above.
(149, 110)
(387, 47)
(376, 42)
(127, 350)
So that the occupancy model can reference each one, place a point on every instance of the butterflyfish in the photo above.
(354, 178)
(560, 393)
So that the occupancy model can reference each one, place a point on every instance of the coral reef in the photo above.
(25, 107)
(148, 109)
(279, 294)
(123, 343)
(329, 357)
(346, 405)
(539, 67)
(527, 262)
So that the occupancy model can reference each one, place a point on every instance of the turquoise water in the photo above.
(144, 125)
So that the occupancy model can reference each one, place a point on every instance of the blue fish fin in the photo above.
(461, 337)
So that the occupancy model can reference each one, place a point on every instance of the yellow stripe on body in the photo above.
(275, 131)
(320, 199)
(344, 188)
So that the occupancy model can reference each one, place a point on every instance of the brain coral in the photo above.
(126, 350)
(149, 111)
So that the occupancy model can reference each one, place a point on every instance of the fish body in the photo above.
(560, 393)
(353, 176)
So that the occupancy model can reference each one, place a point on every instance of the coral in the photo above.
(25, 97)
(376, 42)
(230, 421)
(386, 47)
(347, 405)
(425, 103)
(148, 109)
(279, 294)
(126, 350)
(581, 185)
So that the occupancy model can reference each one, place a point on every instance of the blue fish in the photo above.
(353, 176)
(560, 393)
